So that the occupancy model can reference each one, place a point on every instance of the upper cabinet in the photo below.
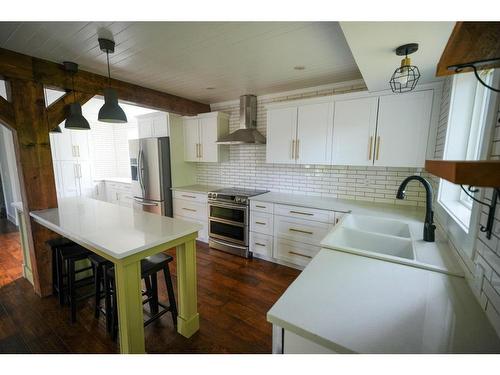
(153, 125)
(352, 129)
(70, 145)
(200, 136)
(300, 134)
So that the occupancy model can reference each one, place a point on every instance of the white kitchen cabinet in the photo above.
(85, 179)
(295, 344)
(192, 207)
(300, 134)
(355, 123)
(281, 135)
(154, 124)
(71, 145)
(200, 136)
(75, 179)
(403, 129)
(314, 133)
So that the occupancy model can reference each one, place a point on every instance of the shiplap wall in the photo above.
(247, 165)
(485, 280)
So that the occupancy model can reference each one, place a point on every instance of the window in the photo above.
(469, 105)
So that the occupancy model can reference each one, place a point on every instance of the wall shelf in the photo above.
(484, 173)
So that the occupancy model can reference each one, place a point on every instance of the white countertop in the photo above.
(353, 304)
(197, 188)
(121, 180)
(112, 229)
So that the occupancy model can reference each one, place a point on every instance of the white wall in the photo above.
(247, 165)
(9, 173)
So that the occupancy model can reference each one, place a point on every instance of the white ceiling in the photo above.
(184, 58)
(373, 45)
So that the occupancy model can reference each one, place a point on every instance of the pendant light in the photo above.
(75, 119)
(405, 77)
(110, 111)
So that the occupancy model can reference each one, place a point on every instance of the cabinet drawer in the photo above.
(307, 231)
(194, 197)
(261, 222)
(262, 206)
(190, 209)
(305, 213)
(261, 244)
(295, 252)
(203, 233)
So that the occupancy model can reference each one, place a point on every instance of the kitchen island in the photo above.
(124, 237)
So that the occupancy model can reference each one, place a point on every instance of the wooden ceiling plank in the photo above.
(19, 66)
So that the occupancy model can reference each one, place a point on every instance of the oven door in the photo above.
(228, 222)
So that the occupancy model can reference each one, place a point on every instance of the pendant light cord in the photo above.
(459, 69)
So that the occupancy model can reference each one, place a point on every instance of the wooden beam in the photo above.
(469, 42)
(58, 111)
(22, 67)
(31, 138)
(7, 113)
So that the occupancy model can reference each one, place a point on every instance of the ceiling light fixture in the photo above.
(75, 119)
(111, 110)
(405, 77)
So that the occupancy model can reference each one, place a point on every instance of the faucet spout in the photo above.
(429, 227)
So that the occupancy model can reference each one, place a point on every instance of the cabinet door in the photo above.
(281, 135)
(69, 182)
(80, 141)
(145, 127)
(314, 133)
(191, 139)
(403, 129)
(58, 178)
(85, 179)
(160, 125)
(354, 126)
(208, 136)
(64, 145)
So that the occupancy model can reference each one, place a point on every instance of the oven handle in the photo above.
(223, 221)
(228, 244)
(228, 205)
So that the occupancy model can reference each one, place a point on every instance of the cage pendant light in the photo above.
(405, 77)
(111, 110)
(75, 119)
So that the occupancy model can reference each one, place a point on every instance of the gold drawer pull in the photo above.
(188, 209)
(300, 231)
(378, 148)
(370, 148)
(301, 213)
(300, 255)
(260, 223)
(188, 196)
(260, 244)
(260, 206)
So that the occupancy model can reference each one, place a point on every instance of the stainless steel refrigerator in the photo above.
(151, 175)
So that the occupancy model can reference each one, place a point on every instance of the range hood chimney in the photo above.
(247, 133)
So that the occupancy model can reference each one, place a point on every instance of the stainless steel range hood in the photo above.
(247, 133)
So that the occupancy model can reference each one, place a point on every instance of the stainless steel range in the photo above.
(228, 217)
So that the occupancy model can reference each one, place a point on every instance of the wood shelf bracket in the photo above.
(470, 190)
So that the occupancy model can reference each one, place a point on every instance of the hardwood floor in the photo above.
(11, 257)
(234, 295)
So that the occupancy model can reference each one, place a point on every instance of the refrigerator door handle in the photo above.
(142, 203)
(140, 169)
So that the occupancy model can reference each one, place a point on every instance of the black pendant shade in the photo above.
(75, 119)
(111, 111)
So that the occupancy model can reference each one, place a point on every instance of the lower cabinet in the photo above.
(192, 207)
(286, 233)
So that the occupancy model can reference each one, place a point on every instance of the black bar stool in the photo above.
(54, 244)
(99, 265)
(150, 266)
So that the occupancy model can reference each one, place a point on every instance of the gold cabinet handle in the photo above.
(260, 244)
(201, 150)
(188, 209)
(260, 223)
(188, 196)
(301, 213)
(293, 149)
(297, 148)
(196, 148)
(300, 255)
(370, 144)
(378, 147)
(300, 231)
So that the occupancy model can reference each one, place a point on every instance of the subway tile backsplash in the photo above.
(247, 167)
